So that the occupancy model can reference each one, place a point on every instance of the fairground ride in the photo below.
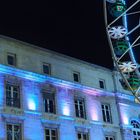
(122, 22)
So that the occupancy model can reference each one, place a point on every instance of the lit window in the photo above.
(12, 95)
(109, 138)
(47, 68)
(80, 108)
(102, 84)
(76, 76)
(11, 59)
(136, 129)
(106, 112)
(49, 102)
(51, 134)
(82, 136)
(14, 132)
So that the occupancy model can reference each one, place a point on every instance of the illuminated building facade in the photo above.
(45, 95)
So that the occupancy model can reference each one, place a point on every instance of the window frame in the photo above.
(13, 55)
(78, 76)
(78, 112)
(11, 91)
(104, 112)
(49, 67)
(49, 97)
(83, 133)
(14, 124)
(50, 136)
(135, 129)
(102, 81)
(109, 137)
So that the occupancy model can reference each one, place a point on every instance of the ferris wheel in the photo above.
(124, 39)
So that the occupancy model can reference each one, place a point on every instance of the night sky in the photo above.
(75, 28)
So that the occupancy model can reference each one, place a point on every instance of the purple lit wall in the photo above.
(31, 95)
(124, 114)
(64, 102)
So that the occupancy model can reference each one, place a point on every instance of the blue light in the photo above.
(43, 78)
(127, 38)
(1, 90)
(31, 104)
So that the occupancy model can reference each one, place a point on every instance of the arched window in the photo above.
(136, 129)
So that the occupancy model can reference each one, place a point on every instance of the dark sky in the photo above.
(75, 28)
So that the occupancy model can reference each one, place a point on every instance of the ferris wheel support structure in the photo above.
(120, 46)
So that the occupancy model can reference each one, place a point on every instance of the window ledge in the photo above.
(13, 111)
(49, 116)
(81, 121)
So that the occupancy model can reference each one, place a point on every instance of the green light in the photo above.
(120, 8)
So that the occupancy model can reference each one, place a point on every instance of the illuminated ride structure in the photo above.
(116, 14)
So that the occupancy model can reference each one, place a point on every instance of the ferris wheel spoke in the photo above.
(124, 13)
(121, 48)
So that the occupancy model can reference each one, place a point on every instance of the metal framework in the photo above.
(122, 49)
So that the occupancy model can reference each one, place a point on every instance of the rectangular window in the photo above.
(82, 136)
(11, 59)
(51, 134)
(14, 132)
(109, 138)
(106, 112)
(47, 68)
(49, 102)
(76, 76)
(80, 108)
(12, 95)
(102, 84)
(136, 134)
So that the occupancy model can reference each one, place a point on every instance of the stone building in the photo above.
(45, 95)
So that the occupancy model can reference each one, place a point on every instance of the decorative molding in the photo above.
(55, 81)
(12, 79)
(48, 88)
(50, 117)
(81, 121)
(13, 111)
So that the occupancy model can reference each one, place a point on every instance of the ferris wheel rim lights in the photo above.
(117, 32)
(127, 67)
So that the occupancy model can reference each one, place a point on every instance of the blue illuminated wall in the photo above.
(1, 90)
(64, 98)
(34, 120)
(31, 95)
(33, 127)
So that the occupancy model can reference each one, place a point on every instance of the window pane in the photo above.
(51, 106)
(82, 136)
(53, 133)
(75, 76)
(101, 83)
(79, 108)
(46, 68)
(106, 113)
(134, 132)
(10, 60)
(12, 95)
(79, 136)
(53, 138)
(48, 138)
(138, 133)
(50, 134)
(104, 117)
(13, 131)
(49, 102)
